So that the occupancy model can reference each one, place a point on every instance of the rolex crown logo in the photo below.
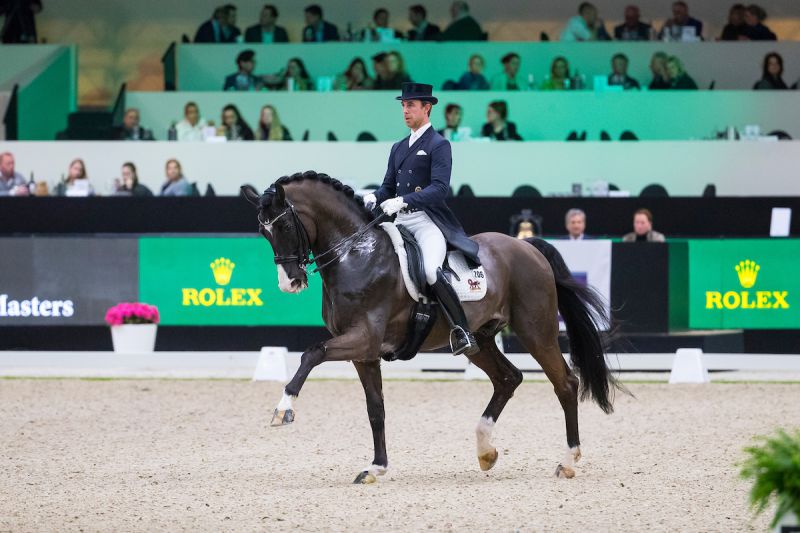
(748, 272)
(223, 270)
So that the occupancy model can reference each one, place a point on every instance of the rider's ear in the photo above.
(280, 195)
(250, 194)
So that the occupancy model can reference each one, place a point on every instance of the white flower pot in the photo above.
(134, 338)
(789, 521)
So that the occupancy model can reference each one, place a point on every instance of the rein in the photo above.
(303, 254)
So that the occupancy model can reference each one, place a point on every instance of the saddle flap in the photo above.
(416, 266)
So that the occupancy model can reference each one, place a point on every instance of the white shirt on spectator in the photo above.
(187, 132)
(576, 30)
(417, 134)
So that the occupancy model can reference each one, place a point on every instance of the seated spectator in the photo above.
(497, 126)
(508, 80)
(619, 73)
(658, 66)
(473, 79)
(379, 30)
(772, 77)
(317, 29)
(453, 130)
(19, 26)
(76, 183)
(678, 78)
(192, 126)
(681, 27)
(244, 80)
(129, 184)
(12, 183)
(755, 30)
(176, 184)
(234, 128)
(643, 228)
(633, 29)
(221, 28)
(558, 80)
(463, 27)
(267, 31)
(585, 26)
(575, 221)
(355, 78)
(421, 29)
(735, 27)
(270, 127)
(391, 73)
(296, 76)
(131, 128)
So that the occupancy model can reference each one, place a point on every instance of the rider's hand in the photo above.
(369, 201)
(393, 205)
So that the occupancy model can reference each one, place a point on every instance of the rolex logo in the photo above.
(748, 272)
(223, 270)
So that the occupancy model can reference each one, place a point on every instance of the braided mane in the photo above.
(310, 175)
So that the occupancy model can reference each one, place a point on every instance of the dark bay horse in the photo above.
(366, 308)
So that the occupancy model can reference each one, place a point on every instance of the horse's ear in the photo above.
(250, 194)
(279, 199)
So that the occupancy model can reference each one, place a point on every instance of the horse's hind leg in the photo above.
(505, 378)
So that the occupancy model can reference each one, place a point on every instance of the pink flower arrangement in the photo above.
(132, 313)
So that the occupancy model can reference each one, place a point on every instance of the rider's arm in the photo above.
(389, 187)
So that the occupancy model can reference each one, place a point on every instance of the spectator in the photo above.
(19, 26)
(497, 126)
(633, 29)
(392, 73)
(473, 79)
(132, 129)
(463, 27)
(421, 29)
(559, 76)
(176, 184)
(12, 183)
(735, 27)
(681, 27)
(619, 73)
(452, 118)
(296, 75)
(508, 80)
(678, 78)
(77, 182)
(129, 184)
(267, 31)
(772, 77)
(643, 228)
(233, 125)
(755, 30)
(355, 78)
(192, 126)
(658, 66)
(244, 80)
(575, 221)
(317, 29)
(379, 30)
(221, 28)
(270, 127)
(585, 26)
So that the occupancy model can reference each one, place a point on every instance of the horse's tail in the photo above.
(584, 314)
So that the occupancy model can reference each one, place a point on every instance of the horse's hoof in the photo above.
(365, 478)
(282, 418)
(565, 472)
(488, 460)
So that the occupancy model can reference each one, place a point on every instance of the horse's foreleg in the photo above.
(370, 375)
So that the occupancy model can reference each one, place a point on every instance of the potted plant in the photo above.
(133, 327)
(775, 469)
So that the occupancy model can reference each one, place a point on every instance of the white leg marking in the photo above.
(376, 470)
(284, 282)
(483, 433)
(572, 456)
(286, 402)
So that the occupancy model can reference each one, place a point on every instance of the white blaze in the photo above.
(284, 281)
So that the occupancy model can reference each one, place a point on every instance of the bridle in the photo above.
(302, 255)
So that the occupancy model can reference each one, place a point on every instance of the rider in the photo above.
(416, 184)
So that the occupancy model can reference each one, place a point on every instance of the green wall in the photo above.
(48, 99)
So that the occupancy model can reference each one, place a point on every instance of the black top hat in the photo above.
(418, 91)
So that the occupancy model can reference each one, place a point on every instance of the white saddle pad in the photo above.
(470, 284)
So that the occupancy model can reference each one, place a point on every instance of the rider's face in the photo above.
(415, 113)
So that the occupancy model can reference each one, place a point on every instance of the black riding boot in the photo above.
(461, 340)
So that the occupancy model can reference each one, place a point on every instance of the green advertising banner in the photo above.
(221, 281)
(743, 283)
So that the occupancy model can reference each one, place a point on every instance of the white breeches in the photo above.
(430, 239)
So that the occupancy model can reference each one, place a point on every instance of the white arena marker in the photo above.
(271, 364)
(473, 372)
(688, 367)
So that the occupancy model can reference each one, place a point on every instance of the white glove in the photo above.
(393, 205)
(369, 201)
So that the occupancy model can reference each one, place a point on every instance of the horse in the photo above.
(366, 308)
